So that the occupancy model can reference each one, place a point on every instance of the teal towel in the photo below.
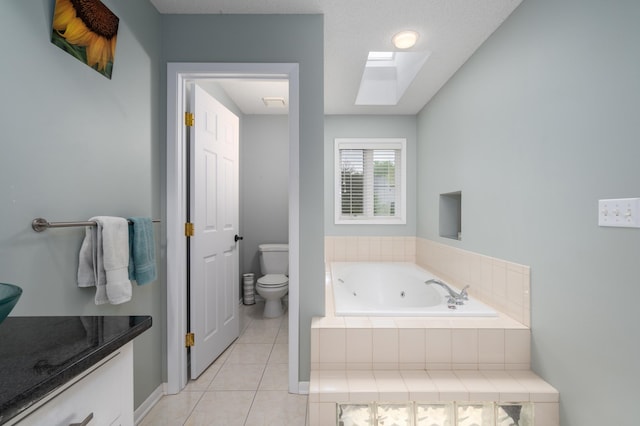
(142, 251)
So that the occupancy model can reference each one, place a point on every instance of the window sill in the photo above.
(390, 221)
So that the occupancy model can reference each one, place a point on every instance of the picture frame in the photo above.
(88, 31)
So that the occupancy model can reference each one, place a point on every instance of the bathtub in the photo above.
(394, 289)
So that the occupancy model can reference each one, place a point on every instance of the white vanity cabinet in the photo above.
(102, 395)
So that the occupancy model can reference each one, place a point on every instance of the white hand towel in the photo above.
(91, 271)
(115, 246)
(86, 278)
(104, 260)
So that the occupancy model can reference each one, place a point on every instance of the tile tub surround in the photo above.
(405, 343)
(505, 286)
(425, 359)
(500, 284)
(370, 249)
(363, 359)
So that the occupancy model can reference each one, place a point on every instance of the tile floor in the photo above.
(245, 386)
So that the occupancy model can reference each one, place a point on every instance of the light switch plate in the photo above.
(619, 212)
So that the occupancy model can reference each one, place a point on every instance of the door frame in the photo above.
(178, 73)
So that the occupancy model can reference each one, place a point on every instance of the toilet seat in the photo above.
(273, 281)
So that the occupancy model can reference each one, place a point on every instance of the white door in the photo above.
(213, 264)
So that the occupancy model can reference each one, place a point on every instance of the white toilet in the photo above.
(274, 283)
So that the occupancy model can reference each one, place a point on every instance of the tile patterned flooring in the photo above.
(245, 386)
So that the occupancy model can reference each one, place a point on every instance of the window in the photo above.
(370, 181)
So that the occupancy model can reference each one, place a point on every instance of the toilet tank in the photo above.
(274, 258)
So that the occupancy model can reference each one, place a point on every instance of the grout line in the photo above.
(193, 409)
(255, 393)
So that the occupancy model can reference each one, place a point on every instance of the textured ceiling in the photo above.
(451, 29)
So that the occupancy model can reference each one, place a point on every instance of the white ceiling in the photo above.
(247, 94)
(451, 29)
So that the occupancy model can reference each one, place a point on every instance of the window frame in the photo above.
(372, 144)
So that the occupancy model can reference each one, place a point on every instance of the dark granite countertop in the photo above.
(38, 354)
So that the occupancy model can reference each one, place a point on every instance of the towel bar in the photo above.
(39, 224)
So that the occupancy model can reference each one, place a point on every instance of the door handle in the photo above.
(237, 238)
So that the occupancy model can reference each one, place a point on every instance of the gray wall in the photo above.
(369, 126)
(74, 145)
(264, 169)
(283, 39)
(536, 127)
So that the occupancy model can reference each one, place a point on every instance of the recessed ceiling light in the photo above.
(405, 39)
(273, 101)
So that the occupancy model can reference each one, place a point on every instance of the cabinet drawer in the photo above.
(106, 393)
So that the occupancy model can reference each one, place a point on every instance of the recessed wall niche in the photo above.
(451, 215)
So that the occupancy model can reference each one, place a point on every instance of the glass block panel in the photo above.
(394, 414)
(355, 415)
(434, 415)
(514, 414)
(474, 415)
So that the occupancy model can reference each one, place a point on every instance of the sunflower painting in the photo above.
(87, 30)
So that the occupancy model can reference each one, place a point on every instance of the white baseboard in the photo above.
(149, 403)
(303, 388)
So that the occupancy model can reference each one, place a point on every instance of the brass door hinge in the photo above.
(188, 229)
(190, 340)
(188, 119)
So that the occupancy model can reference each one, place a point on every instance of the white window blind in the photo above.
(370, 181)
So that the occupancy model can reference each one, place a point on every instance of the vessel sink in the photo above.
(9, 295)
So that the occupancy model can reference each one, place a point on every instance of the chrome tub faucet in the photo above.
(454, 297)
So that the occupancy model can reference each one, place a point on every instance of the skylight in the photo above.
(380, 56)
(387, 75)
